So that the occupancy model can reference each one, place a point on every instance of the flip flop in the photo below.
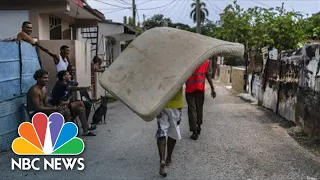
(89, 134)
(92, 127)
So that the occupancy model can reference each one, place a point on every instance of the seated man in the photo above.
(72, 70)
(36, 96)
(60, 96)
(97, 61)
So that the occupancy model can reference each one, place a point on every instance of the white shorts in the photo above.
(168, 123)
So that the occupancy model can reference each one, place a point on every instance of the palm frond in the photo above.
(192, 13)
(205, 10)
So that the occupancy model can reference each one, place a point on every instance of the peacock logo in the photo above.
(47, 136)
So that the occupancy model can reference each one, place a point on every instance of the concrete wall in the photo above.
(79, 56)
(308, 97)
(225, 74)
(83, 63)
(110, 29)
(238, 81)
(253, 86)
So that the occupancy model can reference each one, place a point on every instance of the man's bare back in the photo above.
(36, 98)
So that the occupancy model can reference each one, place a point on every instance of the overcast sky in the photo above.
(179, 10)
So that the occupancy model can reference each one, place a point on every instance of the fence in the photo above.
(18, 62)
(290, 87)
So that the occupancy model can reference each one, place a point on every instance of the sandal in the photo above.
(194, 136)
(92, 127)
(89, 134)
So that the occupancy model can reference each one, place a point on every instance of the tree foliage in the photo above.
(129, 21)
(312, 25)
(258, 27)
(157, 20)
(203, 12)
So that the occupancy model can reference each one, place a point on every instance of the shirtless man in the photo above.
(25, 33)
(61, 60)
(37, 100)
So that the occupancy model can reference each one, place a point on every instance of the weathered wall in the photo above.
(238, 81)
(16, 78)
(270, 85)
(289, 78)
(308, 96)
(291, 87)
(225, 74)
(254, 84)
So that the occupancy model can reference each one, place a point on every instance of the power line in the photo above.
(185, 9)
(108, 9)
(114, 11)
(214, 7)
(110, 4)
(145, 2)
(159, 6)
(125, 2)
(122, 2)
(168, 8)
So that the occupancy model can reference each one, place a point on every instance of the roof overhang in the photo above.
(80, 11)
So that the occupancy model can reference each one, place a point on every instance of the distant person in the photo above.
(72, 70)
(37, 100)
(97, 61)
(60, 60)
(25, 33)
(168, 126)
(195, 92)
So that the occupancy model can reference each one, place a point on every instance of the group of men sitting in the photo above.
(63, 99)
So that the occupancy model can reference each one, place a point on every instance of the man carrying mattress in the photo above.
(168, 126)
(195, 89)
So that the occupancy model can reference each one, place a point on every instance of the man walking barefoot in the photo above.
(168, 126)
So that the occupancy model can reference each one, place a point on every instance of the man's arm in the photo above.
(99, 70)
(64, 103)
(208, 76)
(35, 99)
(54, 56)
(25, 37)
(75, 88)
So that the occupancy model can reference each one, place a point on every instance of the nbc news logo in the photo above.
(48, 136)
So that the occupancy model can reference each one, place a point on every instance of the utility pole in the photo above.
(134, 12)
(144, 18)
(198, 17)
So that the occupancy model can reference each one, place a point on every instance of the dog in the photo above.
(101, 111)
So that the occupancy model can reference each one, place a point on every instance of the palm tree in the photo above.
(203, 11)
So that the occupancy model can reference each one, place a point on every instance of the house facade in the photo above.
(67, 22)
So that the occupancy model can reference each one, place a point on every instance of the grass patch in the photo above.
(112, 100)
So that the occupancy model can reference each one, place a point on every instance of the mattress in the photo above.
(152, 69)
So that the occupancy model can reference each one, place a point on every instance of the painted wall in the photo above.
(225, 74)
(14, 84)
(238, 81)
(38, 15)
(13, 26)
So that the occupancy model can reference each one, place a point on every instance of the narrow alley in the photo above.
(238, 141)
